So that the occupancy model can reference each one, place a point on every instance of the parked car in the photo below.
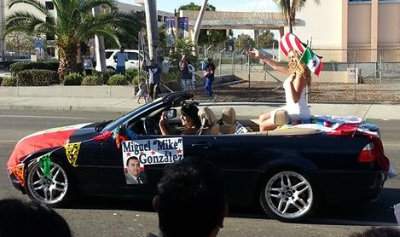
(132, 63)
(288, 172)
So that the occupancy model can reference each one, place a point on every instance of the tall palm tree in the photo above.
(73, 24)
(289, 9)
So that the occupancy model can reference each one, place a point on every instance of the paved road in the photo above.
(136, 218)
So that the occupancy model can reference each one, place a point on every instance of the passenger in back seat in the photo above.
(295, 90)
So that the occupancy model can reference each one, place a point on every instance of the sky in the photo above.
(220, 5)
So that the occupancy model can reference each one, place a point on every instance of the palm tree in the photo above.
(73, 24)
(289, 9)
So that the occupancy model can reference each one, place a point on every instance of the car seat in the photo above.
(209, 125)
(280, 117)
(227, 123)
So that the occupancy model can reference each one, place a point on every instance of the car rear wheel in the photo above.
(288, 196)
(52, 189)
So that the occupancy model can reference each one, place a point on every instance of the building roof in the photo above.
(239, 20)
(125, 7)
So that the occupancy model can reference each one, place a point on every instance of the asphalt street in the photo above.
(110, 217)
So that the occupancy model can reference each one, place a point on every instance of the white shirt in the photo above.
(300, 108)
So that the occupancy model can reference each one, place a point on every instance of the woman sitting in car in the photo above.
(189, 117)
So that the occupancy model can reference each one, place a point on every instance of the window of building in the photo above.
(49, 5)
(160, 18)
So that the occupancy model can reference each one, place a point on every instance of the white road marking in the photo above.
(8, 141)
(40, 117)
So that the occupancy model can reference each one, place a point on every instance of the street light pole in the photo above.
(152, 27)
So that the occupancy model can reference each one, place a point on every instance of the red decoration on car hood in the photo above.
(41, 140)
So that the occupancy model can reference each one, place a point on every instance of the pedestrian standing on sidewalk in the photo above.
(121, 57)
(192, 71)
(154, 71)
(209, 77)
(186, 77)
(143, 91)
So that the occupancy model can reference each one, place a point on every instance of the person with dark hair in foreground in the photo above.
(190, 201)
(19, 218)
(378, 232)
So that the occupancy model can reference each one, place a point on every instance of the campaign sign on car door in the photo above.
(140, 153)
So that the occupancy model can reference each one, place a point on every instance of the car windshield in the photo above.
(118, 121)
(108, 54)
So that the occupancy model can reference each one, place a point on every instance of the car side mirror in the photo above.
(171, 113)
(122, 130)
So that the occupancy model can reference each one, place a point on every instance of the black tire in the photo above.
(53, 191)
(288, 196)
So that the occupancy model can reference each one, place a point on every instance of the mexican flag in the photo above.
(313, 61)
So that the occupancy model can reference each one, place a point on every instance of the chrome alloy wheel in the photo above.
(47, 190)
(289, 195)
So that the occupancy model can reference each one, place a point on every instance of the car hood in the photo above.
(54, 137)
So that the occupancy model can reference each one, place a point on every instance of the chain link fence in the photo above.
(349, 75)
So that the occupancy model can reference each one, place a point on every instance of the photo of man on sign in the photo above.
(137, 154)
(133, 173)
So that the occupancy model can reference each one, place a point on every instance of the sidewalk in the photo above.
(375, 111)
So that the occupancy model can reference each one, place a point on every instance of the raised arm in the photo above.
(254, 53)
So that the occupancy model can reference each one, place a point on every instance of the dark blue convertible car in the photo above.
(287, 172)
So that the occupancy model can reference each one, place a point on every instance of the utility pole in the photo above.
(196, 33)
(99, 48)
(150, 7)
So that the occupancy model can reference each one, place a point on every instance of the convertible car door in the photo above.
(193, 146)
(239, 156)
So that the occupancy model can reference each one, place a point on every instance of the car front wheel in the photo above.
(52, 189)
(287, 196)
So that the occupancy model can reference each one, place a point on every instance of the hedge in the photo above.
(131, 73)
(20, 66)
(73, 79)
(9, 81)
(118, 80)
(37, 77)
(92, 81)
(136, 79)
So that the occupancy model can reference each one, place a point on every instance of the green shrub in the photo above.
(9, 81)
(73, 79)
(92, 80)
(131, 73)
(118, 80)
(37, 77)
(1, 79)
(20, 66)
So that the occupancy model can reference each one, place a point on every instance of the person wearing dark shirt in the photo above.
(186, 76)
(154, 71)
(209, 77)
